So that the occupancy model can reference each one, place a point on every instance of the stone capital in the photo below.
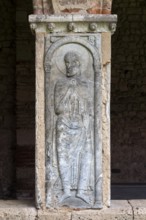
(73, 23)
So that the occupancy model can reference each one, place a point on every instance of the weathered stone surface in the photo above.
(73, 23)
(54, 215)
(42, 7)
(81, 6)
(106, 7)
(64, 7)
(17, 210)
(73, 18)
(106, 80)
(40, 123)
(64, 181)
(139, 209)
(120, 210)
(73, 121)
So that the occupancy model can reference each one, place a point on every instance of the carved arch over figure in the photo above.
(73, 39)
(97, 108)
(72, 6)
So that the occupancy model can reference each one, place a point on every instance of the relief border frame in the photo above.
(97, 105)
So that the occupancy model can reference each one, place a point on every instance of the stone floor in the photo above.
(129, 203)
(119, 210)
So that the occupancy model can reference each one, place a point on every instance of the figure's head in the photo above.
(72, 62)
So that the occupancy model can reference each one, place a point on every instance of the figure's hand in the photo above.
(69, 92)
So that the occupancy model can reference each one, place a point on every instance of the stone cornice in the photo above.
(73, 23)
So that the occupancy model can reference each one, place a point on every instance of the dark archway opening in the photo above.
(128, 101)
(17, 97)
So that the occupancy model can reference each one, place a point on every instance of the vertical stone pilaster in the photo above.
(84, 40)
(40, 123)
(106, 83)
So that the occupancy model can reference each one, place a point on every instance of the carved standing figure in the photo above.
(73, 130)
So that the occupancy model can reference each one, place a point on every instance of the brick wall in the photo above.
(128, 102)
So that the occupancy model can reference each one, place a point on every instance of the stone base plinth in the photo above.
(119, 210)
(17, 210)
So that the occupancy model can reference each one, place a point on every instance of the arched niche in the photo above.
(91, 73)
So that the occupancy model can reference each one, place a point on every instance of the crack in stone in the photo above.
(36, 217)
(133, 216)
(71, 216)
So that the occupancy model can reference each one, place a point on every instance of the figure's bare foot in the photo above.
(84, 198)
(65, 196)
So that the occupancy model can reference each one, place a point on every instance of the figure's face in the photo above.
(72, 65)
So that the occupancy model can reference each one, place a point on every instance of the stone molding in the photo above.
(73, 23)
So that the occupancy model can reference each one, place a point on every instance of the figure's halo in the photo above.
(81, 51)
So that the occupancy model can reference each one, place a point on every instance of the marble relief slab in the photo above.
(73, 121)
